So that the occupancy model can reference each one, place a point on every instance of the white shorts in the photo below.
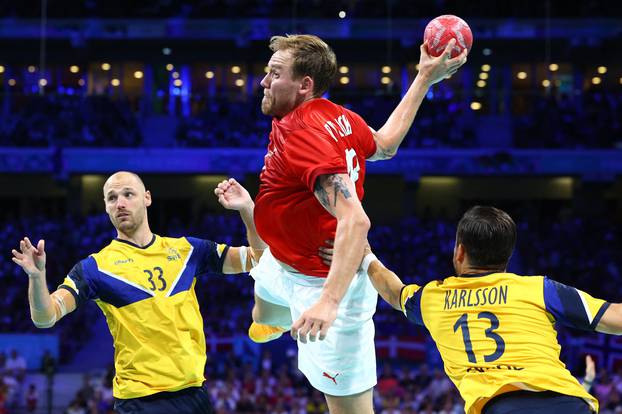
(344, 363)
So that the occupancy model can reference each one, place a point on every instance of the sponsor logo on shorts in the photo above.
(332, 378)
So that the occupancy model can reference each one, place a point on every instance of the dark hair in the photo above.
(488, 236)
(312, 57)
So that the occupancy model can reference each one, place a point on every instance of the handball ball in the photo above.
(444, 28)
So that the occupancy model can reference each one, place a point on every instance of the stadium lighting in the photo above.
(620, 81)
(177, 82)
(12, 82)
(387, 69)
(483, 76)
(81, 82)
(481, 83)
(31, 69)
(239, 82)
(546, 83)
(342, 14)
(521, 75)
(115, 82)
(209, 74)
(235, 69)
(602, 70)
(553, 67)
(1, 69)
(417, 67)
(385, 80)
(344, 69)
(486, 68)
(138, 74)
(43, 82)
(344, 80)
(166, 51)
(105, 66)
(266, 69)
(487, 51)
(596, 80)
(169, 67)
(74, 69)
(476, 106)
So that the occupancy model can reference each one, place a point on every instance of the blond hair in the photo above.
(312, 57)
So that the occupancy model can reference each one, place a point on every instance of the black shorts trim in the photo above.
(528, 402)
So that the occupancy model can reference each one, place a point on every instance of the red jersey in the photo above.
(317, 138)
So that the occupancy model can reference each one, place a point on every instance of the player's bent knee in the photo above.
(271, 314)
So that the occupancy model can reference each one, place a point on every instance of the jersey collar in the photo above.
(479, 274)
(153, 239)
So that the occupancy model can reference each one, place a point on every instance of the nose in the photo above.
(121, 205)
(265, 82)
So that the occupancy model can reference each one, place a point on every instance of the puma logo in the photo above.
(331, 378)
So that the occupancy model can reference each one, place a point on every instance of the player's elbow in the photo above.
(611, 322)
(361, 223)
(43, 320)
(43, 325)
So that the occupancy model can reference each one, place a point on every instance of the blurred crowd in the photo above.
(589, 120)
(69, 121)
(313, 9)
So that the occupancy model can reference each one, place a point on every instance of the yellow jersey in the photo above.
(496, 334)
(147, 295)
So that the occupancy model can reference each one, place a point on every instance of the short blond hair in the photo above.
(312, 57)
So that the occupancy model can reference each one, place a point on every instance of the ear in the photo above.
(306, 85)
(147, 198)
(460, 253)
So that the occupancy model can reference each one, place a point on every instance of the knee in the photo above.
(259, 316)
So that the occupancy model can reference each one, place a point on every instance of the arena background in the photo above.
(170, 90)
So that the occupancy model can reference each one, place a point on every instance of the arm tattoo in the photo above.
(339, 186)
(321, 194)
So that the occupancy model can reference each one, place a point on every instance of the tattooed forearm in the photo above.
(330, 185)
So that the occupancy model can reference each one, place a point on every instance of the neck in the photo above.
(140, 237)
(472, 270)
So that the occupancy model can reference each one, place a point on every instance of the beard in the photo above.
(266, 106)
(127, 225)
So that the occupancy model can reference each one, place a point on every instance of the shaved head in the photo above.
(125, 177)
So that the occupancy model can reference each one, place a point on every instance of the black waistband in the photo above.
(532, 395)
(166, 395)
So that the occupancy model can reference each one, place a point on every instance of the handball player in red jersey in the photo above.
(310, 192)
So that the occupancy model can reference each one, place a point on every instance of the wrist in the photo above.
(423, 80)
(588, 380)
(247, 209)
(39, 275)
(367, 260)
(329, 298)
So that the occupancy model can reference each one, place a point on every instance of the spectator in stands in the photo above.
(16, 365)
(32, 398)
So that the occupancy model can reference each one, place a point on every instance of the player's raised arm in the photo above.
(233, 196)
(45, 309)
(337, 194)
(431, 70)
(387, 283)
